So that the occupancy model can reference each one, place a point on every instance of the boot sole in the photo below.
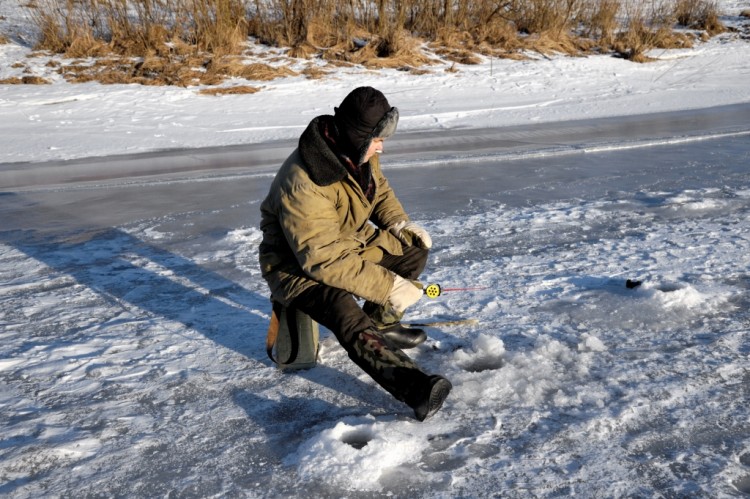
(438, 393)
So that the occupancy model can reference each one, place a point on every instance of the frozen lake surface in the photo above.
(133, 315)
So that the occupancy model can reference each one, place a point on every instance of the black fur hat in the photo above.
(363, 115)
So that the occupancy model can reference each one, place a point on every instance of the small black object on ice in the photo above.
(631, 284)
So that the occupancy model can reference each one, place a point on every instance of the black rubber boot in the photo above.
(402, 336)
(387, 322)
(433, 398)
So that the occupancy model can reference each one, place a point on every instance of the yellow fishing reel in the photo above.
(433, 290)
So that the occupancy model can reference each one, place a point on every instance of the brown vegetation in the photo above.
(314, 72)
(24, 80)
(191, 42)
(699, 14)
(601, 22)
(648, 26)
(238, 90)
(3, 39)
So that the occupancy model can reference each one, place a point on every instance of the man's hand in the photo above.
(404, 294)
(411, 234)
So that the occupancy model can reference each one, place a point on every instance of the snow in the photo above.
(133, 314)
(42, 123)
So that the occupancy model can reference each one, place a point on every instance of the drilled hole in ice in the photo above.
(670, 287)
(484, 364)
(357, 439)
(743, 484)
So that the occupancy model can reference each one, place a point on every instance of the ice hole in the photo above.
(742, 484)
(670, 287)
(357, 438)
(484, 364)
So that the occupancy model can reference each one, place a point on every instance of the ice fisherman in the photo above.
(334, 231)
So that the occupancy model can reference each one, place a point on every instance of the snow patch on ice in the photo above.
(590, 343)
(680, 296)
(250, 235)
(543, 375)
(358, 452)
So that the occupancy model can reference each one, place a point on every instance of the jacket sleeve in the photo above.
(387, 208)
(311, 227)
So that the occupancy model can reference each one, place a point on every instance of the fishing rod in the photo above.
(435, 290)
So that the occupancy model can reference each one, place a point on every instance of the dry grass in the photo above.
(601, 21)
(392, 50)
(456, 45)
(238, 90)
(699, 14)
(4, 39)
(314, 72)
(235, 67)
(202, 42)
(667, 39)
(148, 71)
(82, 28)
(498, 33)
(461, 56)
(150, 42)
(745, 13)
(551, 17)
(181, 71)
(25, 80)
(34, 80)
(415, 71)
(648, 26)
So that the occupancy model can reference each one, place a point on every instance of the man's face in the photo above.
(376, 147)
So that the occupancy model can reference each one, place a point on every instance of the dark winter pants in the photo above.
(338, 311)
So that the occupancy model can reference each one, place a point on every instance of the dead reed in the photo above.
(201, 42)
(648, 25)
(237, 90)
(25, 80)
(600, 19)
(700, 14)
(150, 42)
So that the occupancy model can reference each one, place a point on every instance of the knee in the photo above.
(416, 261)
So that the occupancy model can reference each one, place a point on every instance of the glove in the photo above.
(411, 233)
(404, 294)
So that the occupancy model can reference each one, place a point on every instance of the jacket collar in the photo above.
(319, 161)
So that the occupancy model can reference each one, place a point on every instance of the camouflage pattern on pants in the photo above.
(378, 354)
(388, 366)
(382, 316)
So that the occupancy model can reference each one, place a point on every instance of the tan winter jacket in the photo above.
(318, 226)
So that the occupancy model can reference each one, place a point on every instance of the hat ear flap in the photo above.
(387, 125)
(384, 129)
